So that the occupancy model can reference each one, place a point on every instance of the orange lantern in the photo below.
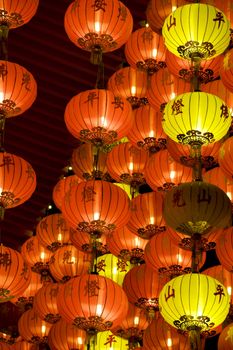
(45, 303)
(126, 163)
(196, 208)
(162, 172)
(18, 88)
(183, 153)
(15, 14)
(142, 286)
(95, 309)
(53, 232)
(68, 262)
(25, 299)
(32, 328)
(225, 158)
(63, 186)
(131, 84)
(89, 162)
(164, 86)
(36, 255)
(162, 255)
(224, 248)
(4, 346)
(147, 131)
(225, 340)
(98, 116)
(133, 326)
(81, 240)
(98, 26)
(23, 345)
(184, 69)
(145, 50)
(64, 336)
(96, 207)
(226, 71)
(216, 87)
(126, 245)
(14, 274)
(146, 218)
(217, 177)
(17, 180)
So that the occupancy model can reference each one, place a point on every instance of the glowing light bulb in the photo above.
(73, 260)
(179, 258)
(133, 90)
(154, 53)
(50, 206)
(1, 96)
(96, 216)
(43, 329)
(136, 241)
(147, 25)
(42, 255)
(172, 174)
(99, 309)
(152, 220)
(229, 290)
(70, 167)
(169, 342)
(131, 167)
(173, 95)
(103, 121)
(79, 341)
(114, 270)
(136, 320)
(97, 27)
(151, 133)
(174, 8)
(229, 195)
(59, 237)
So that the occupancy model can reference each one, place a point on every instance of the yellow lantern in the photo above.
(196, 117)
(196, 31)
(108, 341)
(194, 303)
(196, 207)
(108, 265)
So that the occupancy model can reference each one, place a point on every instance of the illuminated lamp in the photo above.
(225, 158)
(224, 248)
(81, 240)
(216, 87)
(15, 14)
(108, 341)
(225, 340)
(63, 186)
(23, 345)
(226, 70)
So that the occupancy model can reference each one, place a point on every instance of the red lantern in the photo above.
(98, 116)
(165, 86)
(64, 336)
(183, 154)
(45, 303)
(95, 309)
(23, 345)
(142, 286)
(15, 14)
(68, 262)
(126, 245)
(147, 215)
(63, 186)
(18, 88)
(224, 248)
(96, 207)
(216, 87)
(32, 328)
(147, 131)
(83, 242)
(98, 27)
(126, 163)
(184, 69)
(226, 71)
(217, 177)
(225, 340)
(225, 158)
(14, 274)
(145, 50)
(89, 162)
(131, 84)
(4, 346)
(162, 172)
(17, 180)
(53, 232)
(162, 255)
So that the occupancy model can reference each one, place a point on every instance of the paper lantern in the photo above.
(96, 308)
(162, 255)
(225, 158)
(225, 340)
(216, 87)
(98, 26)
(32, 328)
(15, 15)
(108, 265)
(217, 177)
(4, 346)
(165, 86)
(63, 186)
(194, 302)
(126, 163)
(18, 88)
(96, 207)
(185, 69)
(196, 207)
(126, 245)
(14, 274)
(89, 162)
(162, 172)
(196, 116)
(82, 241)
(18, 180)
(192, 41)
(68, 262)
(53, 232)
(64, 336)
(109, 341)
(142, 286)
(98, 116)
(146, 218)
(147, 131)
(226, 70)
(24, 345)
(224, 248)
(145, 50)
(131, 84)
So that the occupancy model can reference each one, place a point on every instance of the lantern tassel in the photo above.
(195, 339)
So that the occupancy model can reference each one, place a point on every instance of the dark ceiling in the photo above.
(39, 135)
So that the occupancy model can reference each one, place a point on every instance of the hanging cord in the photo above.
(4, 30)
(100, 76)
(94, 255)
(197, 162)
(96, 153)
(2, 130)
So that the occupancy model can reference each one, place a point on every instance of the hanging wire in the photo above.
(4, 30)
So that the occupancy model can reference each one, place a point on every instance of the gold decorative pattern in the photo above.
(195, 49)
(92, 324)
(152, 145)
(96, 227)
(188, 322)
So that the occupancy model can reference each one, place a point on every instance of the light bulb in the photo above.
(97, 27)
(154, 53)
(169, 342)
(136, 241)
(59, 237)
(172, 174)
(152, 220)
(99, 309)
(179, 258)
(96, 216)
(103, 121)
(43, 329)
(42, 255)
(173, 95)
(136, 321)
(229, 290)
(151, 133)
(79, 341)
(133, 90)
